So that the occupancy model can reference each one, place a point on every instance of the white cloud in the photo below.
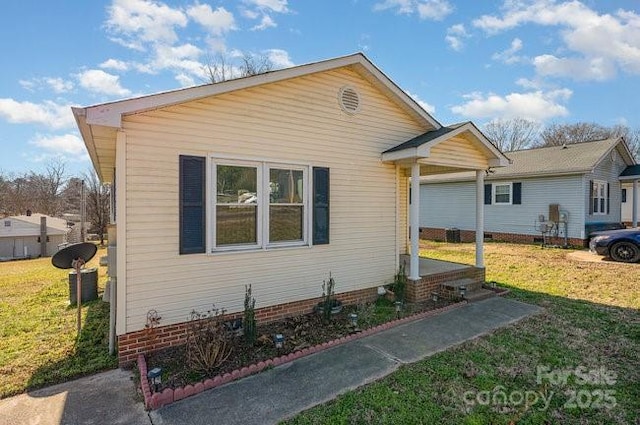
(217, 22)
(426, 9)
(144, 20)
(278, 6)
(536, 105)
(600, 43)
(265, 22)
(47, 113)
(455, 36)
(66, 144)
(578, 68)
(185, 80)
(98, 81)
(59, 85)
(426, 106)
(67, 147)
(28, 84)
(509, 56)
(279, 58)
(115, 64)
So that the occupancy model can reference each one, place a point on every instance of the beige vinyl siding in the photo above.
(608, 170)
(297, 121)
(458, 151)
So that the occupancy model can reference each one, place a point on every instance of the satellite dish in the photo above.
(64, 259)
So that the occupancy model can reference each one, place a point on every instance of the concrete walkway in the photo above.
(287, 390)
(278, 393)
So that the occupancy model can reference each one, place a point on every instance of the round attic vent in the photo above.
(349, 100)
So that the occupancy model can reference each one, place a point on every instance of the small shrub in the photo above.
(249, 321)
(208, 340)
(328, 297)
(399, 286)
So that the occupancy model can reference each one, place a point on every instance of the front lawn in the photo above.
(38, 327)
(575, 363)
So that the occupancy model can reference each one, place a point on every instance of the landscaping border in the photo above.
(167, 396)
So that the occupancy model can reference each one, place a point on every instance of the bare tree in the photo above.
(567, 134)
(512, 135)
(47, 188)
(97, 196)
(222, 68)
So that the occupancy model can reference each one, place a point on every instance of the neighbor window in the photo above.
(599, 197)
(259, 204)
(502, 193)
(7, 223)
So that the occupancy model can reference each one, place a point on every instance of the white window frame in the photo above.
(495, 193)
(263, 205)
(599, 193)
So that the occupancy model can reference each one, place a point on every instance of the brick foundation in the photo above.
(134, 343)
(438, 234)
(420, 290)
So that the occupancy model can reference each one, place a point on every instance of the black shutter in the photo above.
(517, 193)
(320, 205)
(487, 194)
(592, 202)
(608, 197)
(192, 204)
(624, 195)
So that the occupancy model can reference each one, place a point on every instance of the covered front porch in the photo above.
(452, 149)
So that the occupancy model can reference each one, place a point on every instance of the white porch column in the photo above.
(634, 205)
(480, 218)
(414, 220)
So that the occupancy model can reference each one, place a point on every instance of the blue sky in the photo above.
(544, 60)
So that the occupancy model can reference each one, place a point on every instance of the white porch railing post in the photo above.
(634, 205)
(414, 215)
(480, 218)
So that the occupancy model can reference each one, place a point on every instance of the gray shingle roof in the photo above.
(631, 171)
(577, 158)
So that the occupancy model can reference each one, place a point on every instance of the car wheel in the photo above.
(625, 252)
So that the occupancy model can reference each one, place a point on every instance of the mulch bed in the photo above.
(300, 332)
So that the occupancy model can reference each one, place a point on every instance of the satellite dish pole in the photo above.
(74, 257)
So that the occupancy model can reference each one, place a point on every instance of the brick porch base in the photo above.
(420, 290)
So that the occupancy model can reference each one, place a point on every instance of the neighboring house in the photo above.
(630, 179)
(25, 236)
(275, 180)
(565, 191)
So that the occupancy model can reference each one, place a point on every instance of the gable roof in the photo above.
(579, 158)
(99, 123)
(420, 146)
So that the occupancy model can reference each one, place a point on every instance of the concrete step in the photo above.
(454, 285)
(479, 295)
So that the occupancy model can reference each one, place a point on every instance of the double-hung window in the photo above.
(599, 197)
(259, 205)
(502, 194)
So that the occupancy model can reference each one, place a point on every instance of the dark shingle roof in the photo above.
(631, 171)
(425, 138)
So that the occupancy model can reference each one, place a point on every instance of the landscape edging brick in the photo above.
(167, 396)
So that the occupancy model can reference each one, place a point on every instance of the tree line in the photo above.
(519, 133)
(53, 192)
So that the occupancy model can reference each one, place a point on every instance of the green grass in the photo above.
(590, 319)
(38, 343)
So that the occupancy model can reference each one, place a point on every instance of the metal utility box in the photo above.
(554, 213)
(452, 235)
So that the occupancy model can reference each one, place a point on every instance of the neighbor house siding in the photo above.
(297, 121)
(608, 170)
(627, 207)
(453, 204)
